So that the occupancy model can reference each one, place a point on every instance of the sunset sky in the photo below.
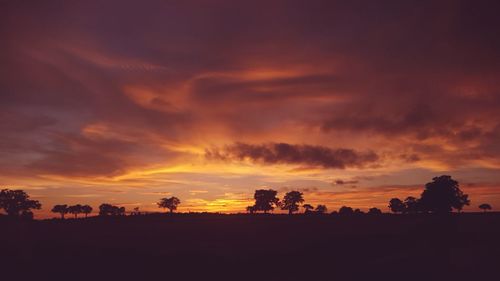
(350, 102)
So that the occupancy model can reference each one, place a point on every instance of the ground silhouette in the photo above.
(253, 247)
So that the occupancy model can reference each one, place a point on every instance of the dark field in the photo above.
(254, 247)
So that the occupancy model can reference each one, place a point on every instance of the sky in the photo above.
(351, 102)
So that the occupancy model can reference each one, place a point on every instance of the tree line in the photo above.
(442, 195)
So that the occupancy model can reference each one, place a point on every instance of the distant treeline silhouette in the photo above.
(442, 195)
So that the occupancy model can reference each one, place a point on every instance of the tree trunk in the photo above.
(62, 216)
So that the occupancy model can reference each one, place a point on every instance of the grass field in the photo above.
(254, 247)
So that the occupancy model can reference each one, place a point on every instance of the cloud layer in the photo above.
(94, 91)
(284, 153)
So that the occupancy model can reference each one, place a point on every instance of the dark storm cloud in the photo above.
(283, 153)
(342, 182)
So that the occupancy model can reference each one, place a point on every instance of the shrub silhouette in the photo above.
(397, 206)
(60, 209)
(374, 211)
(485, 207)
(169, 203)
(291, 201)
(251, 209)
(344, 210)
(307, 208)
(321, 209)
(16, 203)
(442, 195)
(136, 211)
(265, 200)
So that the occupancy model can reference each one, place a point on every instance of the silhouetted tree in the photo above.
(374, 211)
(75, 210)
(442, 195)
(412, 205)
(265, 200)
(110, 210)
(16, 203)
(397, 206)
(321, 209)
(344, 210)
(307, 208)
(485, 207)
(60, 209)
(86, 209)
(291, 201)
(169, 203)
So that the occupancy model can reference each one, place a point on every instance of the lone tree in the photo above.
(75, 210)
(169, 203)
(485, 207)
(16, 203)
(374, 211)
(60, 209)
(397, 206)
(291, 201)
(321, 209)
(86, 209)
(307, 208)
(265, 200)
(442, 195)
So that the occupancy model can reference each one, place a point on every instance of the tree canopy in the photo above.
(291, 201)
(265, 200)
(442, 195)
(86, 209)
(485, 207)
(75, 210)
(397, 206)
(61, 209)
(110, 210)
(16, 203)
(169, 203)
